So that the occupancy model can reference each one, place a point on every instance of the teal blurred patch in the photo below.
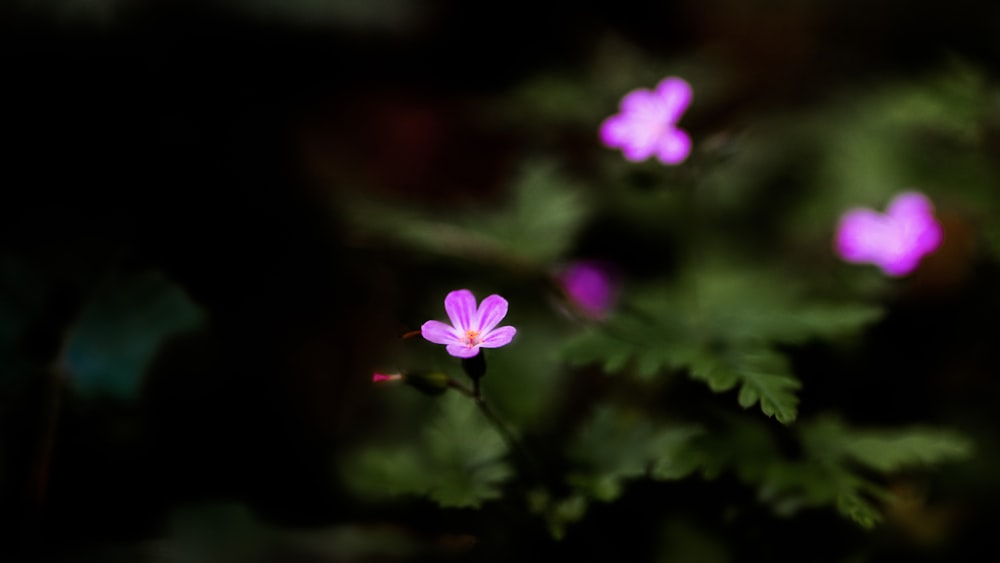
(122, 328)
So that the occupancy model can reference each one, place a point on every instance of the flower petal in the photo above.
(462, 351)
(590, 286)
(910, 204)
(675, 96)
(864, 235)
(673, 146)
(641, 143)
(461, 307)
(899, 265)
(913, 214)
(439, 333)
(498, 337)
(614, 131)
(642, 103)
(491, 311)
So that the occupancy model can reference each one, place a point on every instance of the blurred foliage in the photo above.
(121, 329)
(533, 227)
(458, 462)
(721, 325)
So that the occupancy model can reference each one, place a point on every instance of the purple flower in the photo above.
(471, 328)
(591, 286)
(647, 124)
(895, 241)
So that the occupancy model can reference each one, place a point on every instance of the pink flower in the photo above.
(471, 327)
(647, 124)
(895, 241)
(591, 285)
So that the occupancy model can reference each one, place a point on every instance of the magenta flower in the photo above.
(471, 328)
(591, 286)
(895, 241)
(647, 124)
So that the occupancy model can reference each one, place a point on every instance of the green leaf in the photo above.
(827, 321)
(888, 451)
(730, 304)
(763, 375)
(121, 329)
(542, 216)
(534, 226)
(457, 460)
(467, 455)
(883, 450)
(720, 324)
(673, 453)
(613, 352)
(653, 329)
(857, 508)
(558, 513)
(615, 445)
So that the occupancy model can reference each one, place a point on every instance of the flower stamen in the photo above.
(471, 338)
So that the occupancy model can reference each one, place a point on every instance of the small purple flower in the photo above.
(647, 124)
(471, 328)
(591, 286)
(895, 241)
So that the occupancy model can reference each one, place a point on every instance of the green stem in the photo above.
(527, 462)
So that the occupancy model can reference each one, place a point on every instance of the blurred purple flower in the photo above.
(647, 124)
(894, 241)
(591, 286)
(471, 328)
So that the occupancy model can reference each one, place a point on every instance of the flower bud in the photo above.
(431, 383)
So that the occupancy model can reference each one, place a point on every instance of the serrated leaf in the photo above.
(743, 446)
(827, 321)
(763, 374)
(542, 217)
(858, 509)
(736, 305)
(884, 450)
(558, 513)
(653, 346)
(534, 226)
(889, 451)
(720, 324)
(674, 458)
(615, 445)
(467, 455)
(457, 460)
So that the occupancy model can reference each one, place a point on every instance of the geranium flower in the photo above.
(591, 285)
(894, 241)
(471, 328)
(647, 124)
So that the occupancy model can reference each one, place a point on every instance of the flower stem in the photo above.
(526, 461)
